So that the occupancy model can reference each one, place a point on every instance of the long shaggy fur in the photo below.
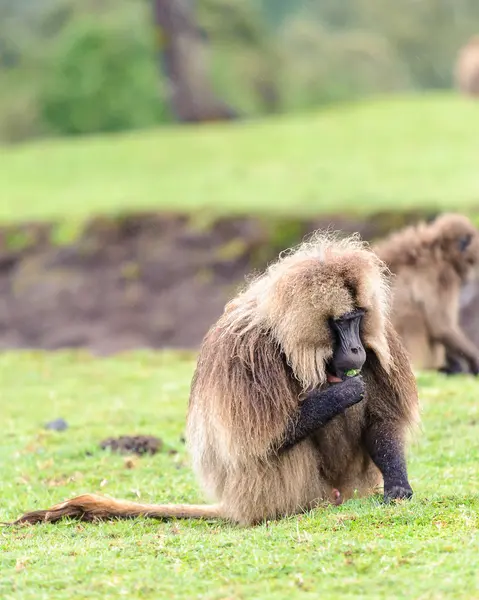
(429, 269)
(268, 348)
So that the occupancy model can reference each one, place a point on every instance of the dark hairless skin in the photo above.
(387, 451)
(319, 407)
(348, 351)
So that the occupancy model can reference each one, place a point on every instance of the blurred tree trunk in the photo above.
(181, 46)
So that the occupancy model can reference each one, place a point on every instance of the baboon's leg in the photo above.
(453, 365)
(441, 317)
(386, 449)
(319, 408)
(458, 344)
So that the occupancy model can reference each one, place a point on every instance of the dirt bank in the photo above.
(141, 281)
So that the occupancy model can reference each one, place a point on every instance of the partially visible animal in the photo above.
(466, 71)
(469, 310)
(431, 262)
(302, 394)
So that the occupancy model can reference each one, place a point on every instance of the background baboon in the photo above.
(467, 68)
(276, 420)
(431, 261)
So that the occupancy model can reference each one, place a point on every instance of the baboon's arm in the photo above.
(440, 312)
(454, 365)
(386, 448)
(319, 407)
(458, 344)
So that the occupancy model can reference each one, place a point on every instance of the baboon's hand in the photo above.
(320, 406)
(398, 492)
(350, 391)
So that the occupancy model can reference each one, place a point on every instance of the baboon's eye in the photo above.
(464, 242)
(353, 314)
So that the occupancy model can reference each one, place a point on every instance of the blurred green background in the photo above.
(82, 66)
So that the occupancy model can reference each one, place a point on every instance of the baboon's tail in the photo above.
(91, 507)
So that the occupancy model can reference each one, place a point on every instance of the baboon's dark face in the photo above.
(349, 355)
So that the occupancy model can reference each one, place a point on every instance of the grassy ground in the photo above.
(428, 548)
(375, 155)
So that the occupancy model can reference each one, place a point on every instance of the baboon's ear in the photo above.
(464, 242)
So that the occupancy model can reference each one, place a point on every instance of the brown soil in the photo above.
(143, 281)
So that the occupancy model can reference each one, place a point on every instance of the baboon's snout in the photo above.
(349, 355)
(347, 359)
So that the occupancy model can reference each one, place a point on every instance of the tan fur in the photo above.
(429, 271)
(268, 348)
(90, 507)
(466, 72)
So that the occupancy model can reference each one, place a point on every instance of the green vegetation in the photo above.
(267, 56)
(426, 549)
(100, 81)
(381, 154)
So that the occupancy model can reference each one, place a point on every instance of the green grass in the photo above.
(385, 153)
(376, 155)
(427, 548)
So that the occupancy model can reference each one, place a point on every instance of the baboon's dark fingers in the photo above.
(398, 492)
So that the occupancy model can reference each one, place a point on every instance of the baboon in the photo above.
(430, 263)
(302, 394)
(466, 72)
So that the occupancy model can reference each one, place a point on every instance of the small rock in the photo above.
(57, 425)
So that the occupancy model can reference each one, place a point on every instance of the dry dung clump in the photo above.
(136, 444)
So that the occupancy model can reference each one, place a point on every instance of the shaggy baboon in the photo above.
(466, 71)
(431, 261)
(278, 418)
